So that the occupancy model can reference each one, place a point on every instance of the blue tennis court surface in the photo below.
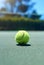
(11, 54)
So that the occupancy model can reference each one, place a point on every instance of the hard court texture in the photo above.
(13, 54)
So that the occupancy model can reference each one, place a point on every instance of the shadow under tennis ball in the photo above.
(23, 44)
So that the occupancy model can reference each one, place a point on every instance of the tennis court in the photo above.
(11, 54)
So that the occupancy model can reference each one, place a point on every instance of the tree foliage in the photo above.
(12, 4)
(23, 8)
(35, 15)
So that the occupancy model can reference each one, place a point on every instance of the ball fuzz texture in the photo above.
(22, 37)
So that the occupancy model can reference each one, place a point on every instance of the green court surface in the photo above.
(11, 54)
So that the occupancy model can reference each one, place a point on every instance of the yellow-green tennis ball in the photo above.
(22, 37)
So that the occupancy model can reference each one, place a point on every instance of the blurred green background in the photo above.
(20, 15)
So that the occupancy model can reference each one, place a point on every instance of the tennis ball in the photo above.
(22, 37)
